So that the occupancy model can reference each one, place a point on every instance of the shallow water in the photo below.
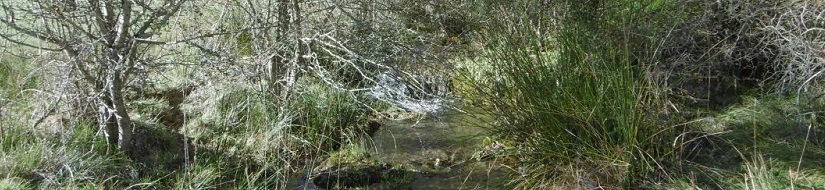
(433, 153)
(439, 151)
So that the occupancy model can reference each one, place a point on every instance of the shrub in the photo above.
(730, 47)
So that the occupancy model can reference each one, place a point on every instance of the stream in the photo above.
(438, 151)
(433, 153)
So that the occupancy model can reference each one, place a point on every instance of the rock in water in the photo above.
(305, 183)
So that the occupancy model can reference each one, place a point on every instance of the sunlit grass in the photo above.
(757, 144)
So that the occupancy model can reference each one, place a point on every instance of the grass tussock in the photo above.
(630, 93)
(588, 104)
(46, 162)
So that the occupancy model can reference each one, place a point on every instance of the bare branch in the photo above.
(161, 12)
(38, 35)
(156, 13)
(98, 16)
(74, 25)
(18, 42)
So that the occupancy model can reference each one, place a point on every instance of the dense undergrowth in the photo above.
(578, 94)
(609, 94)
(235, 140)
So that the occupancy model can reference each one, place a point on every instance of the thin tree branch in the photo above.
(98, 16)
(40, 36)
(74, 25)
(18, 42)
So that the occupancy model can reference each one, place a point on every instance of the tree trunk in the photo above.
(277, 64)
(121, 116)
(285, 69)
(119, 51)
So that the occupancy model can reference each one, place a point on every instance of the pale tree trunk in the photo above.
(293, 71)
(276, 63)
(119, 128)
(120, 44)
(285, 69)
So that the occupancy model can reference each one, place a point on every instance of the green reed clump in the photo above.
(590, 103)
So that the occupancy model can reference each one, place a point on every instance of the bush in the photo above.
(731, 47)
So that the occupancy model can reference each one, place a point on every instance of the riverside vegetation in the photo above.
(357, 94)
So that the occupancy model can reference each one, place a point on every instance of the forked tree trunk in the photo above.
(120, 47)
(119, 127)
